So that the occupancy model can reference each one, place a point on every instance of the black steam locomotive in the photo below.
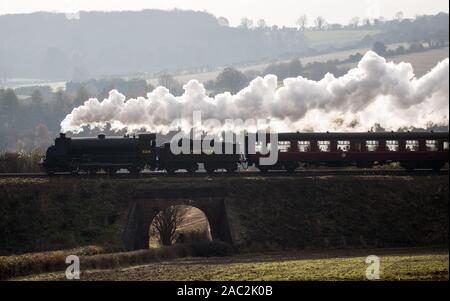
(133, 153)
(412, 150)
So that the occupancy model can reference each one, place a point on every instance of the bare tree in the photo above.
(261, 24)
(41, 136)
(320, 23)
(246, 23)
(223, 21)
(166, 223)
(168, 81)
(302, 22)
(367, 23)
(398, 16)
(354, 22)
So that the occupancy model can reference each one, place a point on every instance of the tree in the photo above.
(416, 47)
(367, 23)
(223, 21)
(302, 22)
(379, 47)
(354, 22)
(398, 16)
(36, 97)
(231, 80)
(61, 101)
(168, 81)
(320, 23)
(166, 223)
(261, 24)
(41, 136)
(246, 23)
(9, 105)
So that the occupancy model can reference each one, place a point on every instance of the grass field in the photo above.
(396, 264)
(422, 62)
(336, 37)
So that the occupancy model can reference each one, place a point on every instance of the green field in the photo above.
(422, 62)
(396, 264)
(336, 37)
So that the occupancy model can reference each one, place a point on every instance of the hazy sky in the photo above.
(280, 12)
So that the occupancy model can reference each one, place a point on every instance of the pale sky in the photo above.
(279, 12)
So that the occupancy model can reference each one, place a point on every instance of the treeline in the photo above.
(31, 116)
(233, 80)
(53, 46)
(432, 29)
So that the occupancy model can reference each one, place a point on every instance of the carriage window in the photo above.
(432, 145)
(343, 146)
(412, 145)
(392, 145)
(258, 146)
(324, 146)
(304, 146)
(284, 146)
(372, 145)
(445, 145)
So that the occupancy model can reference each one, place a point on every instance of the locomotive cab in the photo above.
(56, 157)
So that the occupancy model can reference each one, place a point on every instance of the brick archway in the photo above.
(147, 204)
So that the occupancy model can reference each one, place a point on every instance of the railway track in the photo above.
(298, 173)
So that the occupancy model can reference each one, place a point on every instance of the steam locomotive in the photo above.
(412, 150)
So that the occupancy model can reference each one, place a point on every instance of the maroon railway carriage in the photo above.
(413, 150)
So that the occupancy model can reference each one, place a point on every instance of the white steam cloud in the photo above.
(376, 91)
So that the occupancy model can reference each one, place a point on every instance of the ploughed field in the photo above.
(395, 264)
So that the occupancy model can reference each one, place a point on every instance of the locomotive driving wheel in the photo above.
(192, 169)
(134, 170)
(231, 169)
(170, 170)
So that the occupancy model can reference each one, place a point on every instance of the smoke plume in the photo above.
(376, 91)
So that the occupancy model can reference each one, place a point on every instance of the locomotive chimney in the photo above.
(101, 136)
(62, 135)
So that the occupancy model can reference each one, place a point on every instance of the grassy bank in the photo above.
(264, 213)
(400, 264)
(93, 257)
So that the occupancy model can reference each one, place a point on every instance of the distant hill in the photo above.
(51, 46)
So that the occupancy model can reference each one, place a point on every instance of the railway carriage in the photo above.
(412, 150)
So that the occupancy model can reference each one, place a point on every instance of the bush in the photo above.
(92, 258)
(193, 237)
(20, 162)
(35, 263)
(211, 249)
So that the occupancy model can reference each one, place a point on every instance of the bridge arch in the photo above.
(143, 210)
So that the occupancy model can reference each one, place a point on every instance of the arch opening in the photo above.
(178, 224)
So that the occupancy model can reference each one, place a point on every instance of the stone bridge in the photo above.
(147, 203)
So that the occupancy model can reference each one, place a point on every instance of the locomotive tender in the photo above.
(412, 150)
